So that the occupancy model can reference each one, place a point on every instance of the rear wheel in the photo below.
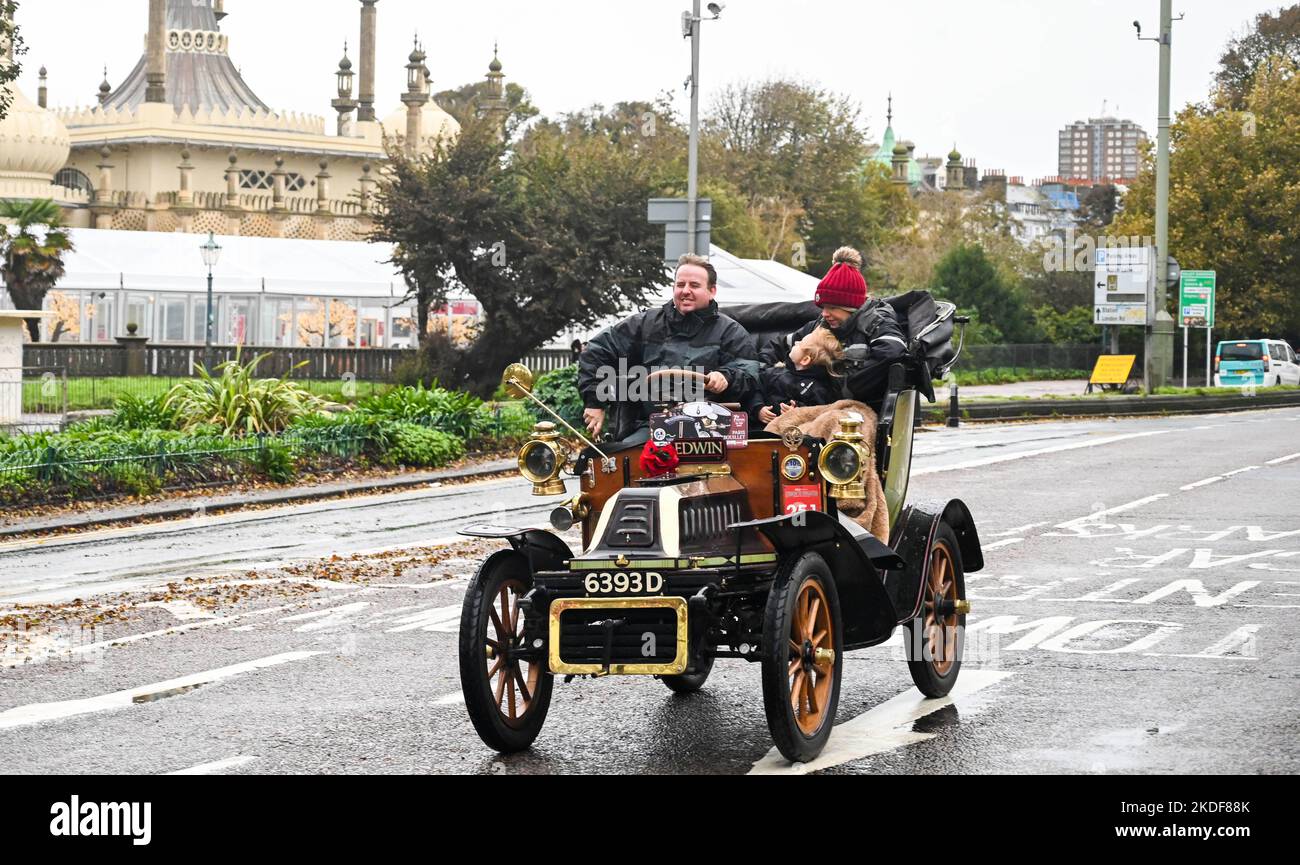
(689, 683)
(507, 697)
(934, 639)
(801, 657)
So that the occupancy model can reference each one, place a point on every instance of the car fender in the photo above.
(867, 615)
(544, 551)
(912, 537)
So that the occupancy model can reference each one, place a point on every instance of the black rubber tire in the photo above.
(920, 663)
(689, 683)
(493, 726)
(791, 740)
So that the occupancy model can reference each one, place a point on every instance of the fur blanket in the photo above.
(822, 421)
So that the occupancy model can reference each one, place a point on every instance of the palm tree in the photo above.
(31, 253)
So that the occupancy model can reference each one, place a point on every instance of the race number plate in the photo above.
(600, 583)
(800, 497)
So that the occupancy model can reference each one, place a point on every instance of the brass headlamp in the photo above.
(541, 459)
(844, 458)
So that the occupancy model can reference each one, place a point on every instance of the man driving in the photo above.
(687, 333)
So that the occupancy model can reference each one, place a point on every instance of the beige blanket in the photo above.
(822, 421)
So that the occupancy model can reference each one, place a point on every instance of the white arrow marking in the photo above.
(444, 619)
(880, 729)
(214, 767)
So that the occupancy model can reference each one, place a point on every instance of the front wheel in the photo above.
(934, 638)
(507, 697)
(802, 660)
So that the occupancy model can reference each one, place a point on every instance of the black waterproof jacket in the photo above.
(875, 327)
(703, 340)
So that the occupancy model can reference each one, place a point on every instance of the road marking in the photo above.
(456, 699)
(1284, 459)
(880, 729)
(213, 767)
(1201, 483)
(1018, 530)
(327, 618)
(1002, 458)
(997, 544)
(445, 619)
(1127, 506)
(37, 713)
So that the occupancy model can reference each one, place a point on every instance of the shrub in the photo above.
(416, 445)
(134, 412)
(448, 411)
(275, 461)
(237, 402)
(559, 390)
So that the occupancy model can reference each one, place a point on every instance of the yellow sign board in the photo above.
(1112, 369)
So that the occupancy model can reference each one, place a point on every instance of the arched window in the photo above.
(73, 178)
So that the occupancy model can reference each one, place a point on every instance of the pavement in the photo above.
(1066, 387)
(1136, 615)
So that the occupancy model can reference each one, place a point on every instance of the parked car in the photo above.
(740, 554)
(1261, 362)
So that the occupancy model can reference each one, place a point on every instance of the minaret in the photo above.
(956, 173)
(898, 164)
(156, 54)
(105, 89)
(43, 91)
(415, 97)
(344, 104)
(494, 106)
(219, 9)
(366, 109)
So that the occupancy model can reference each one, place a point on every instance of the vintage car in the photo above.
(739, 552)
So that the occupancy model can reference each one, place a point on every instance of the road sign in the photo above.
(1112, 369)
(1196, 298)
(1122, 280)
(672, 214)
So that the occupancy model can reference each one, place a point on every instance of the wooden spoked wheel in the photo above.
(812, 658)
(802, 663)
(941, 630)
(513, 682)
(506, 694)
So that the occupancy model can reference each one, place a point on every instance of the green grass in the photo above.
(101, 393)
(1011, 375)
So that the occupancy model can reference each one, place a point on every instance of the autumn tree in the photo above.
(967, 277)
(545, 232)
(11, 42)
(1275, 38)
(1233, 181)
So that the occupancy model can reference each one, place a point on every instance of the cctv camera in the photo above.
(1137, 25)
(715, 9)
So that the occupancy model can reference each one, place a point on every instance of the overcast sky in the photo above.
(998, 77)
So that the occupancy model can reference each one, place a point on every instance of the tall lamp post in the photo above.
(691, 27)
(211, 252)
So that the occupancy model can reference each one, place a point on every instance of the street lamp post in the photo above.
(211, 252)
(691, 27)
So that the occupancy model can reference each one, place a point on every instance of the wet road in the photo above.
(1137, 614)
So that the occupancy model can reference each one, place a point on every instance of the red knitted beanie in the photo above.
(843, 284)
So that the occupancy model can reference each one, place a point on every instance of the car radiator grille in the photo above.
(705, 521)
(582, 641)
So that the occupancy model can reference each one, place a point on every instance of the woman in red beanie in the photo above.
(867, 329)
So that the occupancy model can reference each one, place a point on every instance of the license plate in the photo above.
(617, 583)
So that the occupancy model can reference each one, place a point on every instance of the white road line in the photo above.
(1002, 458)
(213, 767)
(1018, 530)
(996, 544)
(1127, 506)
(445, 619)
(1284, 459)
(327, 618)
(1201, 483)
(37, 713)
(880, 729)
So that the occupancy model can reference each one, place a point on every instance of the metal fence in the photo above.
(32, 399)
(178, 361)
(1028, 357)
(44, 469)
